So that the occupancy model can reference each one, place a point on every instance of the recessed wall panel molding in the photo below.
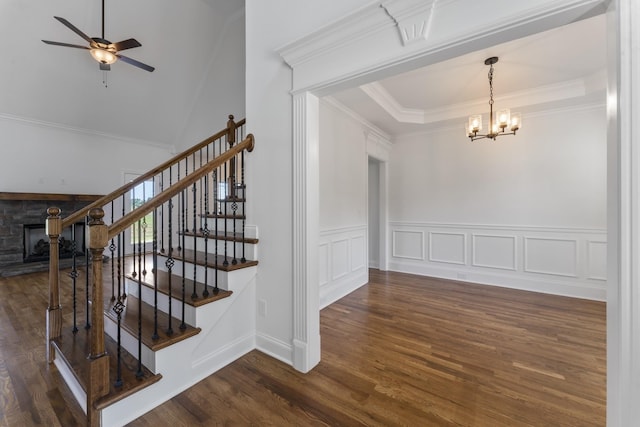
(358, 253)
(494, 251)
(447, 247)
(323, 261)
(596, 260)
(407, 244)
(552, 256)
(345, 268)
(339, 258)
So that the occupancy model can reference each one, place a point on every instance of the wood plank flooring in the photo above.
(402, 350)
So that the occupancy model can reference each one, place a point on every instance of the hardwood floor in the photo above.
(402, 350)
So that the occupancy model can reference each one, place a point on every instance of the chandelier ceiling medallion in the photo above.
(499, 123)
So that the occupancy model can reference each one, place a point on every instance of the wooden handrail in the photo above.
(82, 213)
(125, 222)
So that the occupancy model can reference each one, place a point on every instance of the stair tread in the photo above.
(75, 349)
(129, 322)
(176, 288)
(229, 236)
(212, 261)
(222, 216)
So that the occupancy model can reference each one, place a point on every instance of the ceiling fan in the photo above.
(102, 50)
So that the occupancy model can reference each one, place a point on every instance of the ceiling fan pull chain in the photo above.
(104, 78)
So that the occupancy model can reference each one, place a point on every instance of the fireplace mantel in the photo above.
(49, 197)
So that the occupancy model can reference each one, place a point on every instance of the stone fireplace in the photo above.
(22, 220)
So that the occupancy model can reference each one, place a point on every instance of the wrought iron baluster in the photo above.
(155, 335)
(183, 213)
(224, 214)
(139, 372)
(112, 249)
(244, 207)
(234, 209)
(215, 227)
(87, 324)
(169, 263)
(143, 237)
(194, 295)
(162, 212)
(205, 233)
(134, 274)
(118, 308)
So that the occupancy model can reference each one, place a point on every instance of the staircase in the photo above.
(164, 295)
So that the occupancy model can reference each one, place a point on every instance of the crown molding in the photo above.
(543, 94)
(384, 99)
(370, 128)
(362, 23)
(50, 125)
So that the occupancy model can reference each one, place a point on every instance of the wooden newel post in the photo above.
(54, 312)
(99, 361)
(231, 139)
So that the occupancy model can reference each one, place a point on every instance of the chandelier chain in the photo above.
(491, 85)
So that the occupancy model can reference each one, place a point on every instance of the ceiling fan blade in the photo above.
(65, 44)
(125, 44)
(105, 67)
(136, 63)
(74, 29)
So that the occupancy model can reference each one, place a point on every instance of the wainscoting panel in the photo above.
(323, 267)
(551, 256)
(494, 251)
(340, 258)
(561, 261)
(447, 247)
(407, 244)
(343, 253)
(597, 257)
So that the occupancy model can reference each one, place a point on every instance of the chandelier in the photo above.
(502, 121)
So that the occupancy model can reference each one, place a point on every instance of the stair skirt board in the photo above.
(173, 383)
(228, 333)
(70, 378)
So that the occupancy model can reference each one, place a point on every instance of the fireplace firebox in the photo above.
(36, 242)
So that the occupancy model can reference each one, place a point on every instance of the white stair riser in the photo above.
(222, 222)
(200, 272)
(130, 343)
(250, 250)
(148, 296)
(226, 280)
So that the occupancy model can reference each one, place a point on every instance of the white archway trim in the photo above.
(362, 47)
(306, 231)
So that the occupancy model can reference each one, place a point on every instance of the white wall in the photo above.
(526, 211)
(222, 90)
(45, 158)
(269, 25)
(343, 204)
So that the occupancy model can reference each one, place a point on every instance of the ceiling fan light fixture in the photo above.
(103, 56)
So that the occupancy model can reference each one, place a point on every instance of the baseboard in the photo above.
(274, 348)
(559, 287)
(332, 292)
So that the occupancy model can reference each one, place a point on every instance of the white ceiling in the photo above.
(549, 69)
(63, 86)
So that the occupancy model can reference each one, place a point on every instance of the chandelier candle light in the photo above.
(502, 120)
